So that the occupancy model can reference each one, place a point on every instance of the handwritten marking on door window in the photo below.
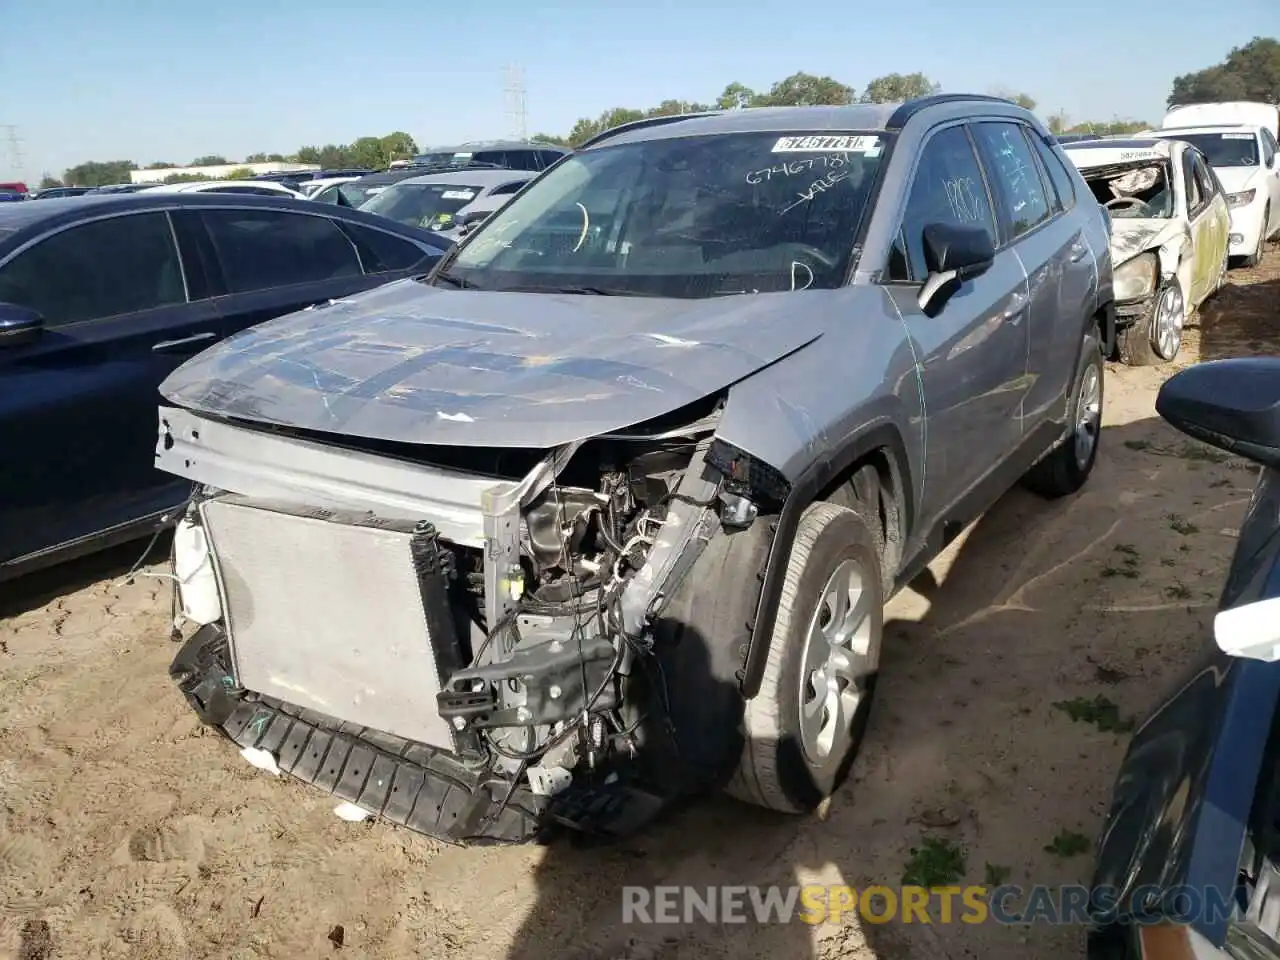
(963, 196)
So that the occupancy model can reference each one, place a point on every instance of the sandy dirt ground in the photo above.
(126, 830)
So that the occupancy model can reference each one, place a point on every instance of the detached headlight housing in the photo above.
(1241, 199)
(1136, 278)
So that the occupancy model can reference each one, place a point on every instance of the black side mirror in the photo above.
(19, 325)
(952, 254)
(1233, 405)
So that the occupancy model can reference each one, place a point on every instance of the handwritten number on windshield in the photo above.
(821, 185)
(827, 161)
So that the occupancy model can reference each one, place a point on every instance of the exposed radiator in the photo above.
(330, 612)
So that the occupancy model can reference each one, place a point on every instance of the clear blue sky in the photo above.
(147, 81)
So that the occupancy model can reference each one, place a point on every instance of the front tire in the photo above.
(1068, 466)
(1255, 258)
(805, 725)
(1156, 336)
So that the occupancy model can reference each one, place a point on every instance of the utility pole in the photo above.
(16, 160)
(517, 112)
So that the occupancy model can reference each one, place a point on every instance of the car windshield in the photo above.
(433, 159)
(684, 217)
(1129, 191)
(428, 205)
(357, 193)
(1234, 149)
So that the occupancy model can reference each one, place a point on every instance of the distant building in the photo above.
(220, 171)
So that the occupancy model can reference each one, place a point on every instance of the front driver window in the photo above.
(948, 188)
(1194, 197)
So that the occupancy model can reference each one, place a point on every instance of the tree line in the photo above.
(371, 153)
(1249, 72)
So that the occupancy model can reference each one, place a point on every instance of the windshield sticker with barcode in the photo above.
(1139, 155)
(457, 195)
(1237, 136)
(868, 145)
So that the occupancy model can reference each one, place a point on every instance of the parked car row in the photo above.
(1183, 201)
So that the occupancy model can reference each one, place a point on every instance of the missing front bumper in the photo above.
(411, 784)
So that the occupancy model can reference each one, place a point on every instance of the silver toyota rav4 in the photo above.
(604, 511)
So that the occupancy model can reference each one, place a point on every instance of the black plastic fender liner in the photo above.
(806, 488)
(1108, 330)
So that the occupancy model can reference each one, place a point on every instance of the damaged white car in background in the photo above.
(1169, 237)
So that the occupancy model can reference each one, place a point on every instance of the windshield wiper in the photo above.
(580, 290)
(458, 282)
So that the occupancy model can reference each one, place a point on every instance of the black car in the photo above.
(113, 188)
(57, 193)
(357, 192)
(1189, 860)
(101, 297)
(342, 172)
(512, 154)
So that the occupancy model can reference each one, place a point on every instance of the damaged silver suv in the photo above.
(604, 510)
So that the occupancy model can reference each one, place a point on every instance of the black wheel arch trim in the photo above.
(883, 436)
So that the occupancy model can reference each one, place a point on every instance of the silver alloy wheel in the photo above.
(1166, 325)
(841, 651)
(1088, 416)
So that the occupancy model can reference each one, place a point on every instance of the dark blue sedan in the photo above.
(1189, 861)
(101, 297)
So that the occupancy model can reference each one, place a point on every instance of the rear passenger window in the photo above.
(947, 188)
(1015, 178)
(507, 188)
(259, 249)
(1060, 178)
(102, 269)
(380, 251)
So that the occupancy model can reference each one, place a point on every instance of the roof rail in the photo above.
(642, 124)
(447, 166)
(898, 119)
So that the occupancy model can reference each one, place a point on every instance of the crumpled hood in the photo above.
(1235, 179)
(417, 364)
(1130, 237)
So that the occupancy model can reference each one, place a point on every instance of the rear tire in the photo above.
(805, 725)
(1222, 275)
(1064, 470)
